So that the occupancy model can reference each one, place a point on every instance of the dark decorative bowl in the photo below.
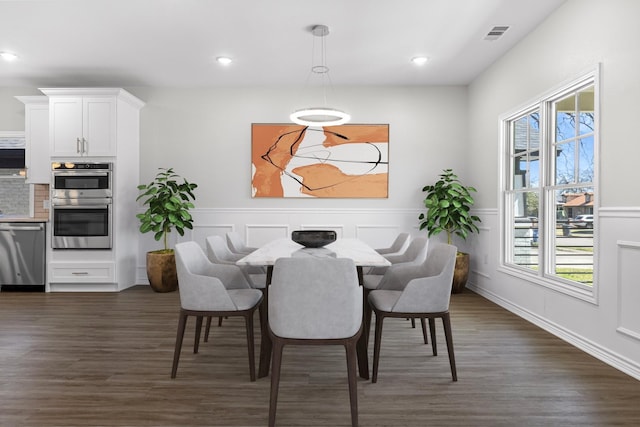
(313, 238)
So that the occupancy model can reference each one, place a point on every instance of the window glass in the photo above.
(585, 160)
(524, 229)
(549, 217)
(585, 107)
(565, 163)
(573, 237)
(565, 118)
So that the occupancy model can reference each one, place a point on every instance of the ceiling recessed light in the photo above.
(419, 60)
(8, 56)
(224, 60)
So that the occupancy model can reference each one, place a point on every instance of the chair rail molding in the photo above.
(376, 226)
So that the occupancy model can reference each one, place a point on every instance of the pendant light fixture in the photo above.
(320, 115)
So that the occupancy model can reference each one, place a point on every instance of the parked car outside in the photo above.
(583, 221)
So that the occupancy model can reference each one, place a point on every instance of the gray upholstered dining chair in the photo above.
(398, 245)
(417, 292)
(237, 245)
(219, 253)
(415, 254)
(315, 301)
(208, 289)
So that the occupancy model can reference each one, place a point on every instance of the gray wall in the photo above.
(12, 110)
(578, 36)
(205, 134)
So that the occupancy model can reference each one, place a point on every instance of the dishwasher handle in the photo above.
(17, 227)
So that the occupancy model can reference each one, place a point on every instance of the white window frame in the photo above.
(543, 104)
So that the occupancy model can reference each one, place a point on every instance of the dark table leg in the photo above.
(265, 340)
(363, 341)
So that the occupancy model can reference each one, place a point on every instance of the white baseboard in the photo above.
(610, 358)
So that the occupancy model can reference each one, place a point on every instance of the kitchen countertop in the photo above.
(19, 218)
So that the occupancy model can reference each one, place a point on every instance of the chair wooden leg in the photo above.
(265, 340)
(432, 329)
(252, 361)
(276, 361)
(182, 323)
(424, 330)
(363, 342)
(260, 314)
(196, 341)
(446, 322)
(219, 321)
(376, 346)
(413, 323)
(350, 348)
(367, 314)
(207, 329)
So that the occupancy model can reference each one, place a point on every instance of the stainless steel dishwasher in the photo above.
(22, 254)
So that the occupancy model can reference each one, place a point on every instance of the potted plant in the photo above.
(168, 202)
(449, 204)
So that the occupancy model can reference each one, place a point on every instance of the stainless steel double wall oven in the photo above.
(81, 205)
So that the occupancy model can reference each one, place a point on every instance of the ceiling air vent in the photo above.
(495, 33)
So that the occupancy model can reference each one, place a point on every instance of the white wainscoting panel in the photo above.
(380, 235)
(200, 232)
(259, 234)
(377, 227)
(482, 247)
(628, 289)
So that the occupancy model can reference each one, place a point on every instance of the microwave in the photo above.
(12, 158)
(71, 180)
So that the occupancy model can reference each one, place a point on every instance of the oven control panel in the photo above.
(80, 166)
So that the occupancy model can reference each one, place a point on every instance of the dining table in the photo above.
(362, 255)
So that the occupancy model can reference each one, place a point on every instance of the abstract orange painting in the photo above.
(347, 161)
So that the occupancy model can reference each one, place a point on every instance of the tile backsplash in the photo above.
(14, 194)
(40, 195)
(14, 197)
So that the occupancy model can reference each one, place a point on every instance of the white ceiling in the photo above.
(127, 43)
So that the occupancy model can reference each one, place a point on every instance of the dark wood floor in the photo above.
(105, 360)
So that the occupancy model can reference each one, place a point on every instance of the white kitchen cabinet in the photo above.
(98, 125)
(36, 129)
(81, 272)
(82, 126)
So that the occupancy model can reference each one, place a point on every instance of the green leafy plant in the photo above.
(449, 203)
(168, 203)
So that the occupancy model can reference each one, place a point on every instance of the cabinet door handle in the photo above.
(84, 145)
(77, 145)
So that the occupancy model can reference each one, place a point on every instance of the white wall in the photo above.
(205, 135)
(577, 36)
(12, 110)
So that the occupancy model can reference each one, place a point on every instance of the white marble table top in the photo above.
(361, 253)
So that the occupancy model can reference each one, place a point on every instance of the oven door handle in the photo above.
(80, 173)
(70, 207)
(81, 203)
